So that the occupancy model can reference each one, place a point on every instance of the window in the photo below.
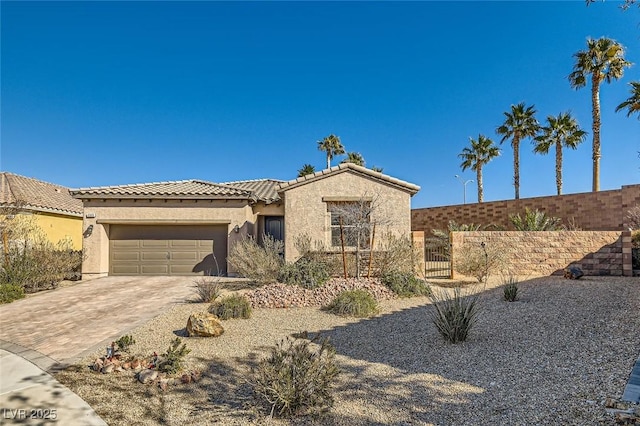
(356, 223)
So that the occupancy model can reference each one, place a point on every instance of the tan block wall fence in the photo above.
(549, 252)
(592, 211)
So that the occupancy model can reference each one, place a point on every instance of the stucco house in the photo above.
(189, 227)
(56, 212)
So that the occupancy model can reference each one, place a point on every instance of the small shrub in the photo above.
(511, 289)
(295, 379)
(172, 361)
(305, 272)
(354, 303)
(10, 292)
(405, 284)
(258, 262)
(125, 342)
(232, 306)
(207, 289)
(454, 315)
(397, 254)
(479, 260)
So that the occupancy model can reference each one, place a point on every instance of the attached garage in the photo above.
(167, 249)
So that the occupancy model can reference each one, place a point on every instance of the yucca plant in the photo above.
(454, 315)
(511, 289)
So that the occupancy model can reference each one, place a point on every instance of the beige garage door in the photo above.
(167, 250)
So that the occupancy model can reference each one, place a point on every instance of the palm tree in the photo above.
(520, 123)
(603, 60)
(306, 169)
(332, 146)
(633, 103)
(562, 131)
(355, 158)
(481, 152)
(377, 169)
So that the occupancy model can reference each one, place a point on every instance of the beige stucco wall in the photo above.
(96, 245)
(306, 212)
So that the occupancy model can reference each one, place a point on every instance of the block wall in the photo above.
(550, 252)
(591, 211)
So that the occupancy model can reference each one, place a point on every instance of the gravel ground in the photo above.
(550, 358)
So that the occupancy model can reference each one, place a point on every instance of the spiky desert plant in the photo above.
(454, 314)
(510, 289)
(535, 220)
(296, 378)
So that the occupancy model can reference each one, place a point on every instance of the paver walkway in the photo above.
(71, 322)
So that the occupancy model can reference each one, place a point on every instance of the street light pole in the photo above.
(464, 186)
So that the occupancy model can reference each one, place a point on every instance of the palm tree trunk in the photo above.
(595, 102)
(328, 160)
(516, 165)
(479, 180)
(559, 167)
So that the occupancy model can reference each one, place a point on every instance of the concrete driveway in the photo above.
(63, 325)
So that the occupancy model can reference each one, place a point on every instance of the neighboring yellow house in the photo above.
(57, 213)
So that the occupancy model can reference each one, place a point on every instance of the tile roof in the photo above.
(182, 189)
(33, 194)
(264, 189)
(341, 168)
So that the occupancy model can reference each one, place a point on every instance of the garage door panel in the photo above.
(124, 244)
(151, 269)
(154, 255)
(168, 250)
(125, 269)
(154, 244)
(130, 256)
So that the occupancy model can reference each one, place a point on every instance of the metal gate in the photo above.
(436, 258)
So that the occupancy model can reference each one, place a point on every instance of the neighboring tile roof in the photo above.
(264, 189)
(406, 186)
(33, 194)
(183, 189)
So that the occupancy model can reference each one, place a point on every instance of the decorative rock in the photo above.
(135, 364)
(195, 376)
(97, 365)
(118, 368)
(163, 384)
(202, 324)
(573, 273)
(146, 376)
(108, 368)
(126, 366)
(186, 378)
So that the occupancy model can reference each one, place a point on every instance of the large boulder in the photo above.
(203, 324)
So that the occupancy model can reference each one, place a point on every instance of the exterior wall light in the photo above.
(88, 231)
(236, 229)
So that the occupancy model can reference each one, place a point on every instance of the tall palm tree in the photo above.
(355, 158)
(332, 146)
(562, 131)
(307, 169)
(603, 60)
(520, 123)
(632, 104)
(481, 152)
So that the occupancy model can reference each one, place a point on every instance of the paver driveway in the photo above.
(71, 322)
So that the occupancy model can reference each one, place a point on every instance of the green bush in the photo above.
(511, 289)
(306, 272)
(172, 361)
(295, 379)
(125, 342)
(232, 306)
(405, 284)
(454, 315)
(258, 262)
(207, 289)
(10, 292)
(354, 303)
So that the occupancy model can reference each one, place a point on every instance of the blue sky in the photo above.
(106, 93)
